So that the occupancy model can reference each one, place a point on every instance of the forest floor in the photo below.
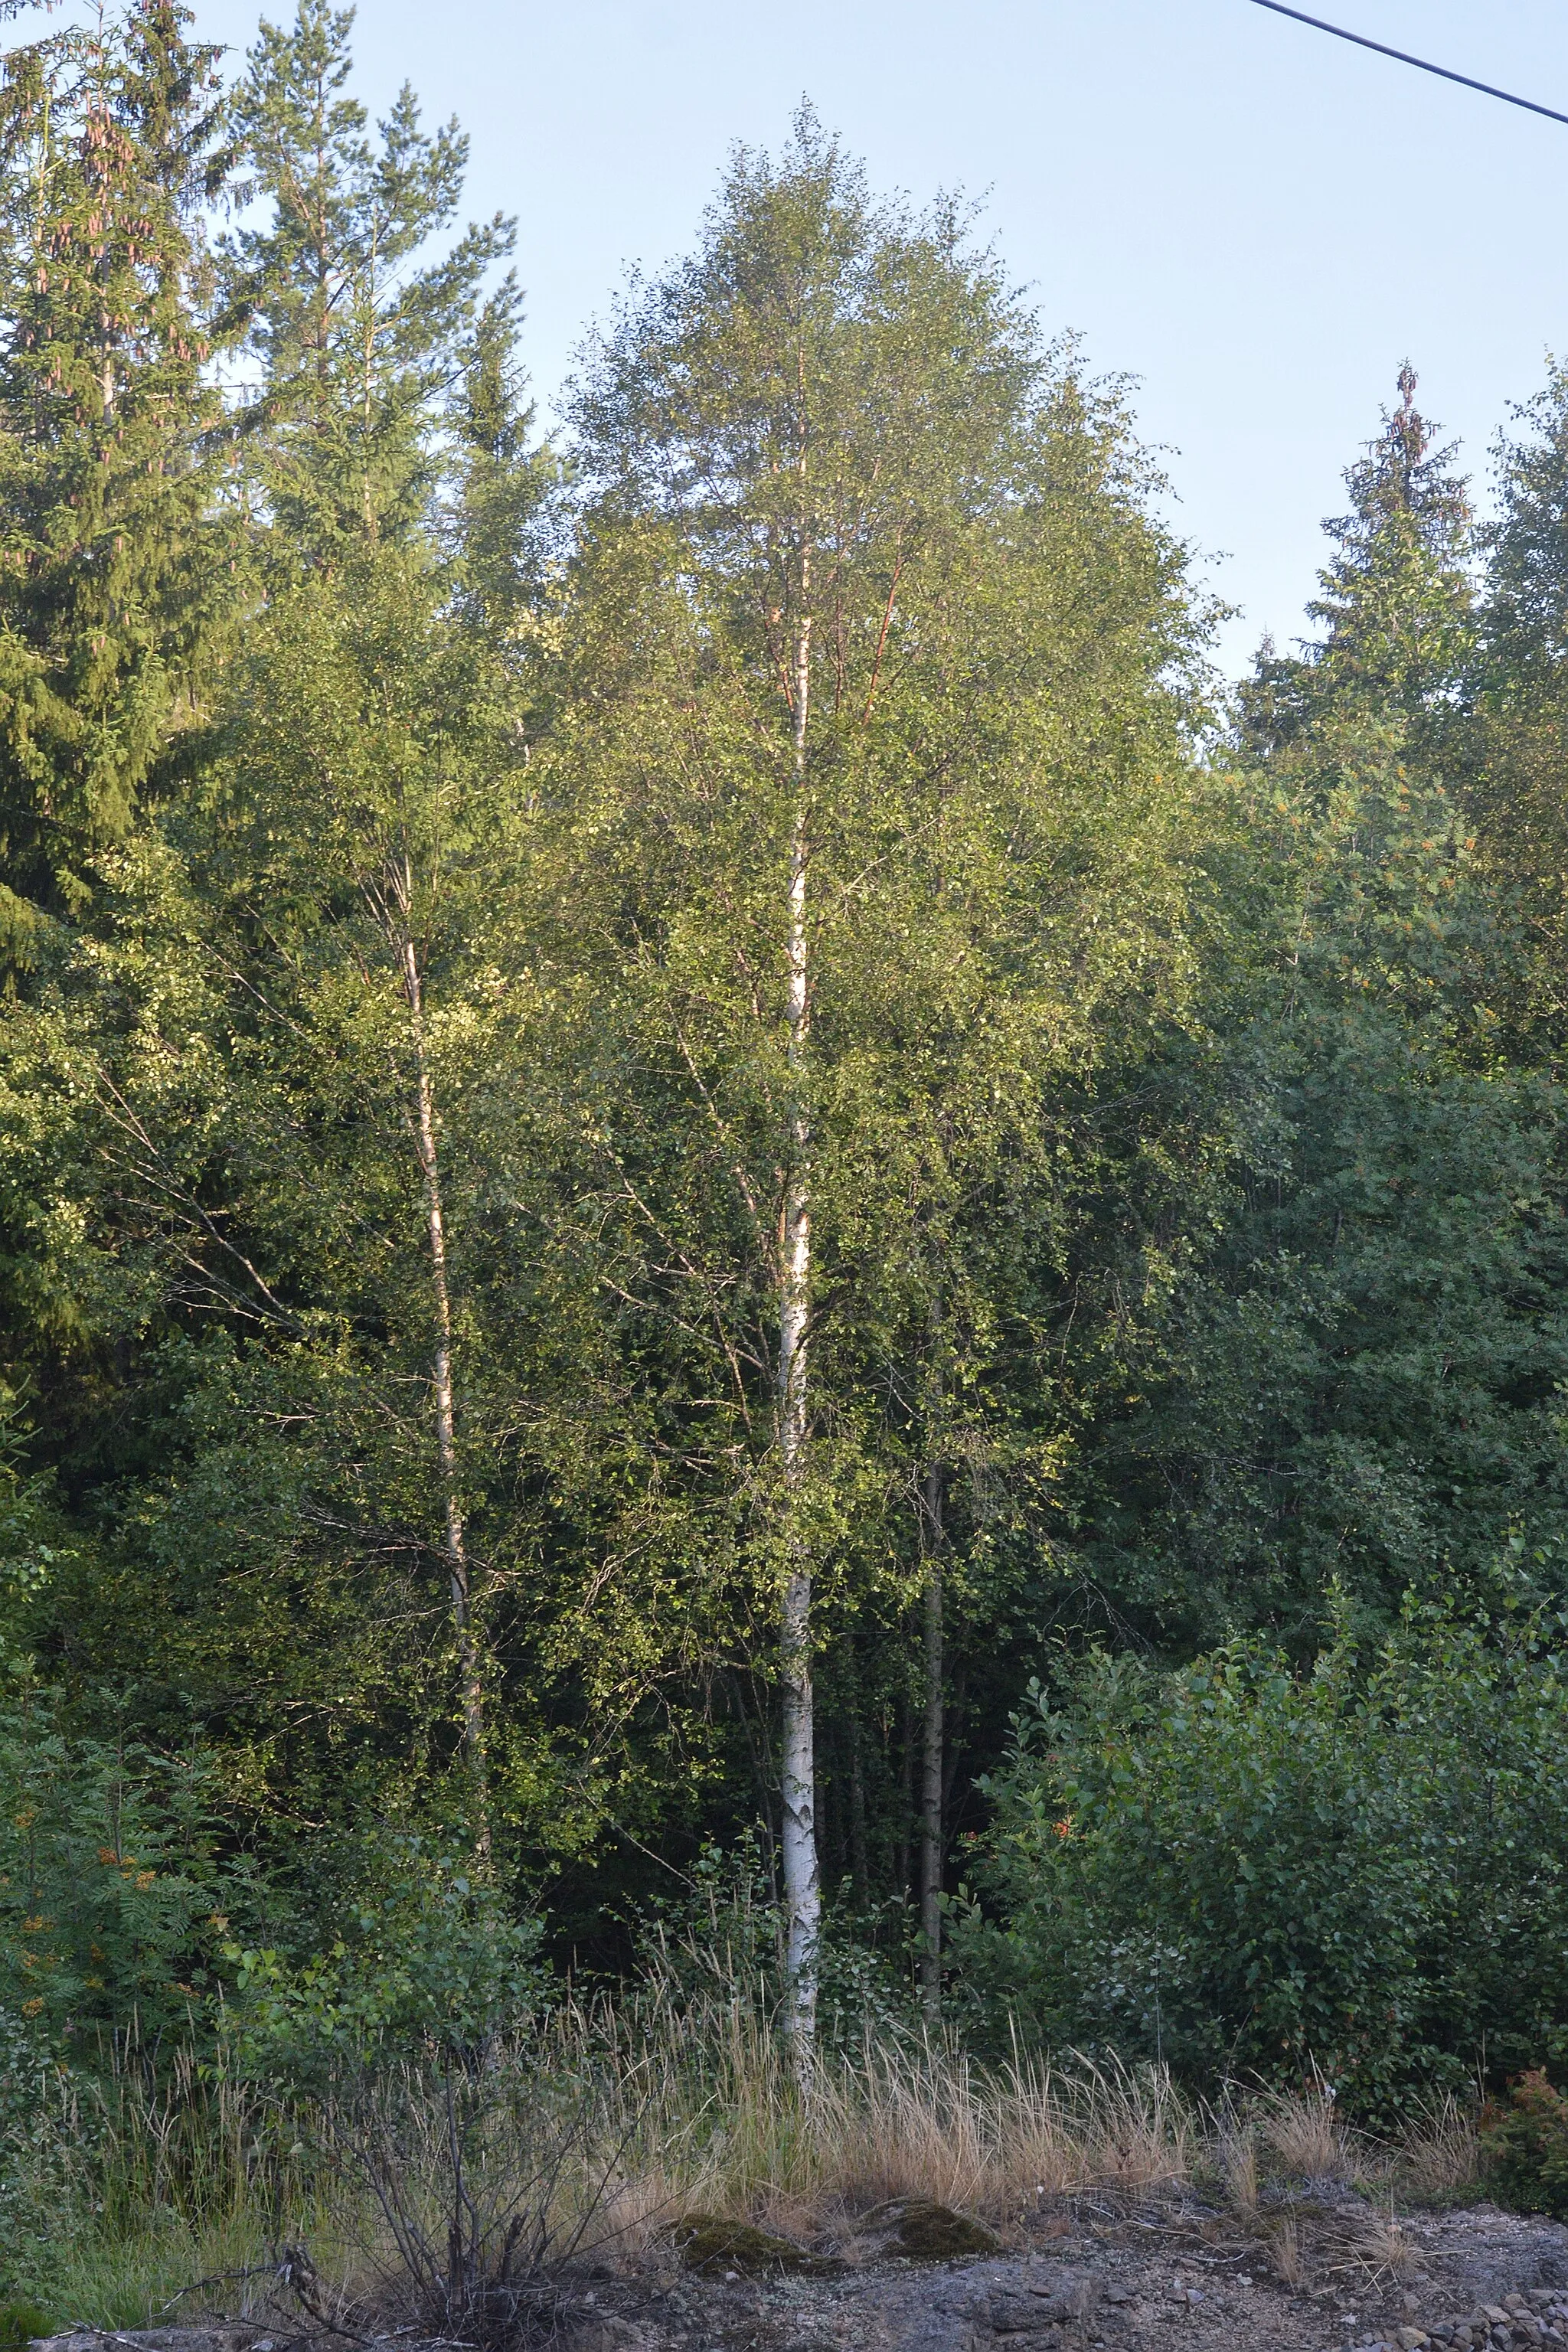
(1327, 2271)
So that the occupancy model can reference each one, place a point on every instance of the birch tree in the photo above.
(826, 590)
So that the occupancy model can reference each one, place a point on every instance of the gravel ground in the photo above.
(1172, 2276)
(1323, 2273)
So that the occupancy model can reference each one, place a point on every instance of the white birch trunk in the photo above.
(470, 1683)
(801, 1885)
(932, 1759)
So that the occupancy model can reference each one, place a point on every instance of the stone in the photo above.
(222, 2337)
(1411, 2339)
(1071, 2295)
(602, 2332)
(1018, 2314)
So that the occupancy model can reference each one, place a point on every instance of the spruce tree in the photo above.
(358, 339)
(1352, 1385)
(114, 573)
(1520, 701)
(303, 931)
(1394, 610)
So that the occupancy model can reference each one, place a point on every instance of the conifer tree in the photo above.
(373, 362)
(1515, 744)
(1353, 1381)
(114, 572)
(358, 339)
(311, 913)
(1395, 611)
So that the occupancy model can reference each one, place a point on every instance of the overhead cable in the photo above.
(1487, 88)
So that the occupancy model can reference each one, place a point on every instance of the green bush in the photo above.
(427, 1955)
(111, 1900)
(1524, 2146)
(724, 1932)
(1359, 1870)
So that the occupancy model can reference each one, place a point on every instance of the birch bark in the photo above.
(802, 1884)
(469, 1680)
(932, 1757)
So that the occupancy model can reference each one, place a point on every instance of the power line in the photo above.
(1405, 59)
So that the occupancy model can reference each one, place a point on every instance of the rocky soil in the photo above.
(1323, 2272)
(1171, 2275)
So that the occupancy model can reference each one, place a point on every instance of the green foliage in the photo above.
(32, 2178)
(1359, 1376)
(1395, 603)
(1524, 2146)
(111, 1897)
(20, 2322)
(1358, 1870)
(427, 1956)
(407, 1089)
(113, 555)
(835, 429)
(722, 1936)
(356, 331)
(1355, 1372)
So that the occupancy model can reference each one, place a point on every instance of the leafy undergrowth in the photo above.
(1524, 2146)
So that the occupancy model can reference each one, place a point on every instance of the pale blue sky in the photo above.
(1257, 222)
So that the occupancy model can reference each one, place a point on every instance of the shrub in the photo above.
(726, 1932)
(20, 2322)
(111, 1900)
(427, 1955)
(1524, 2146)
(1359, 1870)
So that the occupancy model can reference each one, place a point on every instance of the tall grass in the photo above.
(130, 2184)
(597, 2127)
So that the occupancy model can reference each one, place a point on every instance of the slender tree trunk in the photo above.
(802, 1893)
(469, 1680)
(932, 1757)
(906, 1796)
(860, 1852)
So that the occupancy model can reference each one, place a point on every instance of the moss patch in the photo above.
(926, 2233)
(708, 2244)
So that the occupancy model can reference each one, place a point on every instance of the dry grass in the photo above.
(1440, 2152)
(1302, 2131)
(1388, 2252)
(607, 2123)
(913, 2116)
(1236, 2150)
(1282, 2235)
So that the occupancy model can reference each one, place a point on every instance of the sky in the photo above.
(1257, 223)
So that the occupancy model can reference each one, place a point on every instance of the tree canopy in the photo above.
(677, 1103)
